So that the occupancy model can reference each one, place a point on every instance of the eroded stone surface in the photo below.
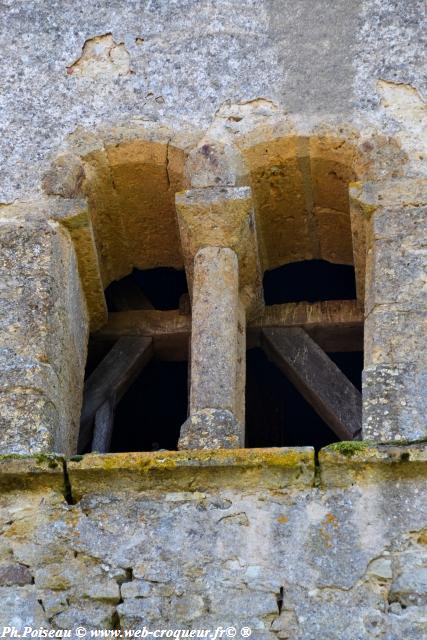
(245, 551)
(43, 333)
(211, 429)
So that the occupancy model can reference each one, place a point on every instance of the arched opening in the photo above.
(300, 190)
(300, 186)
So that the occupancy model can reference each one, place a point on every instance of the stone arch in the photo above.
(300, 189)
(127, 182)
(129, 178)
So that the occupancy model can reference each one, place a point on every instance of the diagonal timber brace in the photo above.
(317, 378)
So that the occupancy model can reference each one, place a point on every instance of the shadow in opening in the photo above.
(162, 287)
(150, 414)
(310, 281)
(276, 413)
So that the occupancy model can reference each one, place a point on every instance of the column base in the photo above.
(211, 429)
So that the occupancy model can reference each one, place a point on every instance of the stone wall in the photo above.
(65, 68)
(104, 108)
(43, 331)
(107, 113)
(261, 538)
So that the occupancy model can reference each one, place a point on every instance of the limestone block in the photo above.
(64, 177)
(43, 334)
(286, 625)
(394, 392)
(211, 429)
(54, 602)
(222, 217)
(14, 574)
(188, 606)
(134, 613)
(380, 568)
(28, 422)
(101, 589)
(394, 402)
(232, 602)
(135, 589)
(410, 584)
(20, 608)
(213, 163)
(389, 221)
(91, 615)
(396, 274)
(81, 577)
(334, 231)
(395, 336)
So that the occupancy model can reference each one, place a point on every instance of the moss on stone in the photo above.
(349, 448)
(50, 459)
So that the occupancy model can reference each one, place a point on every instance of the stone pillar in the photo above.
(395, 376)
(43, 332)
(219, 244)
(214, 352)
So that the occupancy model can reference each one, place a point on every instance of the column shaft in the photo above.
(216, 359)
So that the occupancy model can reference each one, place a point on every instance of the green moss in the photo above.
(349, 448)
(76, 458)
(14, 456)
(50, 459)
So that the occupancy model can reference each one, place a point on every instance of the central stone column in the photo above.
(219, 244)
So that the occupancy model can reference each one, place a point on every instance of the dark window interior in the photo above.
(151, 413)
(276, 413)
(310, 281)
(162, 286)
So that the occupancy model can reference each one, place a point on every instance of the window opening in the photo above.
(309, 280)
(132, 400)
(160, 288)
(150, 414)
(277, 415)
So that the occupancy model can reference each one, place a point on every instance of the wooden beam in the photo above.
(103, 429)
(170, 330)
(111, 379)
(317, 378)
(336, 325)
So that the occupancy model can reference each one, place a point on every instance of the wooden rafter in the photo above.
(110, 380)
(335, 325)
(103, 428)
(317, 378)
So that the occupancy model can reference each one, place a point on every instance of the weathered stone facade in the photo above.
(227, 139)
(258, 538)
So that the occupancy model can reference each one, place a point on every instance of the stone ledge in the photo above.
(340, 465)
(346, 463)
(31, 473)
(273, 468)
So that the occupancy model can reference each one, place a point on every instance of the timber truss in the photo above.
(295, 337)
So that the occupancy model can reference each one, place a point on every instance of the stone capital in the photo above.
(222, 217)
